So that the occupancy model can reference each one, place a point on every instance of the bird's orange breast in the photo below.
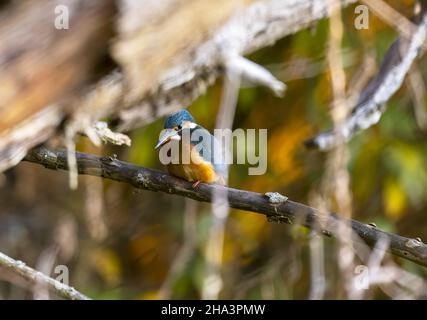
(197, 170)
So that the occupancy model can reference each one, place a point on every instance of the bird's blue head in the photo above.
(176, 119)
(174, 124)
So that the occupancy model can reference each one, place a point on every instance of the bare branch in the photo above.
(173, 84)
(106, 135)
(287, 211)
(254, 73)
(35, 277)
(371, 103)
(257, 26)
(392, 17)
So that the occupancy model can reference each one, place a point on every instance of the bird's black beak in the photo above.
(166, 136)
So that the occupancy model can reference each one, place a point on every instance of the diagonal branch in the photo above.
(256, 26)
(371, 104)
(277, 208)
(35, 277)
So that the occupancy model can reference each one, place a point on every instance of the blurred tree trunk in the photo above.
(41, 66)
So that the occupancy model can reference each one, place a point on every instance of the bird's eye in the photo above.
(179, 127)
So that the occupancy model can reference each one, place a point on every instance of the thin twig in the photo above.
(336, 181)
(35, 277)
(417, 86)
(185, 253)
(392, 17)
(213, 283)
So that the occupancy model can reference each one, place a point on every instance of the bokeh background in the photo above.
(122, 243)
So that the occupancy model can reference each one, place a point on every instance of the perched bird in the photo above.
(196, 144)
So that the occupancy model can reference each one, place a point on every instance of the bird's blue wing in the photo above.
(209, 148)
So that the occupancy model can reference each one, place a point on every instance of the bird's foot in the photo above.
(196, 184)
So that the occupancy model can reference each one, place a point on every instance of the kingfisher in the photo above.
(196, 144)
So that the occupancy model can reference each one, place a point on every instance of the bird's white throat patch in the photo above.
(188, 125)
